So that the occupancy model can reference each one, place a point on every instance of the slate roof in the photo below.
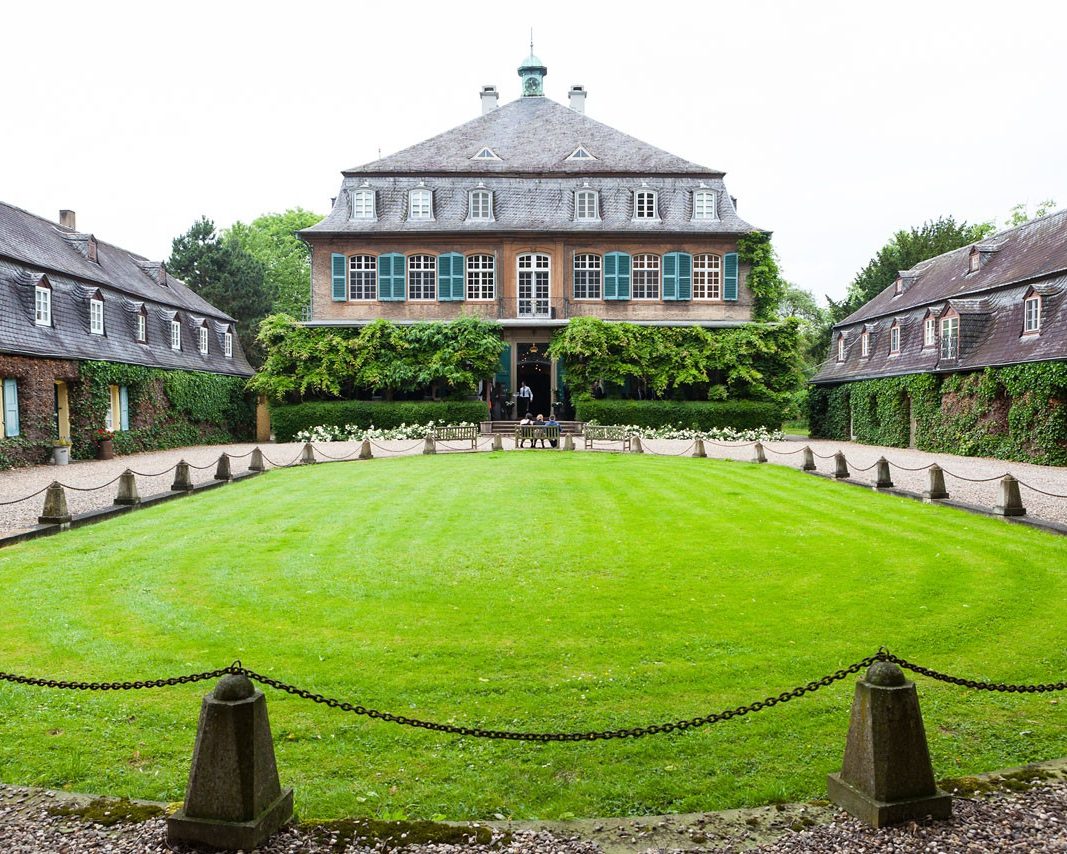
(32, 247)
(1031, 258)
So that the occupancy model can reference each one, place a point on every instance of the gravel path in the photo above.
(1034, 822)
(17, 483)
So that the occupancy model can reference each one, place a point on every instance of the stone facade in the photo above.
(36, 380)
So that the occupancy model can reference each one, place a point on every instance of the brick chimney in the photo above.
(576, 98)
(489, 96)
(67, 220)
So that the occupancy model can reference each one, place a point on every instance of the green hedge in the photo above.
(289, 419)
(694, 415)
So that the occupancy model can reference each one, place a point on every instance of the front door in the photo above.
(534, 277)
(535, 369)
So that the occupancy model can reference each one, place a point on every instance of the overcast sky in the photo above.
(835, 122)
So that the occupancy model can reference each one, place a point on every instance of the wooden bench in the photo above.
(456, 433)
(605, 433)
(533, 432)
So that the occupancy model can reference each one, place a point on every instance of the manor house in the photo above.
(530, 214)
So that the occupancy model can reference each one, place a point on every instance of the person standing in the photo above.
(525, 398)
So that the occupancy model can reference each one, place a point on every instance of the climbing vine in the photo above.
(764, 277)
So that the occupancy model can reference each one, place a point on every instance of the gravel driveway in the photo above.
(16, 483)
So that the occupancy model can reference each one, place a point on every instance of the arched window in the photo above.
(362, 277)
(420, 205)
(645, 205)
(707, 277)
(1032, 314)
(646, 277)
(586, 206)
(704, 205)
(363, 204)
(587, 272)
(481, 277)
(422, 277)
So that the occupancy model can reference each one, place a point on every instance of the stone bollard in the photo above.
(183, 478)
(568, 442)
(498, 442)
(698, 448)
(222, 470)
(307, 455)
(937, 489)
(840, 466)
(1011, 502)
(758, 456)
(55, 510)
(128, 493)
(886, 777)
(635, 445)
(429, 446)
(882, 480)
(256, 463)
(809, 459)
(234, 799)
(365, 451)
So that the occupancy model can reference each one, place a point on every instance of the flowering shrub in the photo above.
(715, 434)
(101, 434)
(355, 433)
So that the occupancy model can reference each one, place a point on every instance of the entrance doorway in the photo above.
(535, 369)
(61, 412)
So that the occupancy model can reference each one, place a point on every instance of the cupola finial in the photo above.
(532, 71)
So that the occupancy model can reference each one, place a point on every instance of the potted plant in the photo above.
(105, 449)
(61, 452)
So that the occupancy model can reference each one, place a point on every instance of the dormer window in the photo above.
(90, 250)
(865, 344)
(580, 153)
(142, 326)
(481, 205)
(227, 344)
(841, 347)
(202, 340)
(485, 154)
(420, 205)
(1032, 314)
(175, 335)
(894, 339)
(42, 305)
(96, 316)
(363, 204)
(930, 331)
(586, 206)
(950, 337)
(975, 262)
(645, 205)
(704, 205)
(898, 287)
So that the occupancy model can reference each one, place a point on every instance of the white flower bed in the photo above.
(355, 433)
(717, 434)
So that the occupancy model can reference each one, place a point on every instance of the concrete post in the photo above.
(234, 799)
(698, 448)
(635, 445)
(809, 459)
(937, 489)
(222, 470)
(758, 456)
(882, 480)
(1011, 502)
(568, 442)
(429, 446)
(128, 494)
(840, 466)
(183, 478)
(365, 451)
(307, 455)
(256, 463)
(55, 510)
(498, 442)
(886, 777)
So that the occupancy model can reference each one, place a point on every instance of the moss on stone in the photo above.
(1013, 781)
(108, 812)
(395, 835)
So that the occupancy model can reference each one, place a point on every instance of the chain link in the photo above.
(974, 683)
(121, 686)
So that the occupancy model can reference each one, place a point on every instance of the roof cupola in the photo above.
(532, 71)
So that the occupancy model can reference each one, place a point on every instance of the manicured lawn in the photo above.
(527, 590)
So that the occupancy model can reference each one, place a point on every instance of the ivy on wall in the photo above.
(764, 278)
(1016, 413)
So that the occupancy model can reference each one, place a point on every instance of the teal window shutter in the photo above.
(392, 272)
(124, 408)
(450, 271)
(385, 277)
(11, 408)
(459, 278)
(340, 281)
(670, 276)
(616, 275)
(503, 371)
(729, 276)
(685, 276)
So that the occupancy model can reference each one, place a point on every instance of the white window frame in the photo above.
(840, 348)
(930, 331)
(705, 205)
(589, 276)
(485, 153)
(362, 278)
(420, 205)
(581, 153)
(650, 280)
(142, 327)
(480, 205)
(641, 205)
(113, 417)
(201, 340)
(426, 267)
(894, 340)
(227, 344)
(865, 344)
(707, 277)
(533, 268)
(175, 335)
(96, 316)
(363, 204)
(42, 306)
(1032, 320)
(950, 338)
(581, 200)
(974, 262)
(481, 277)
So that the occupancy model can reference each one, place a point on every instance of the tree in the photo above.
(271, 240)
(814, 323)
(1020, 214)
(224, 275)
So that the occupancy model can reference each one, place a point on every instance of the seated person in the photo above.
(552, 422)
(525, 422)
(540, 433)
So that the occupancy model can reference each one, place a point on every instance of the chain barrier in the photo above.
(823, 456)
(442, 444)
(91, 488)
(25, 497)
(728, 444)
(418, 444)
(347, 456)
(157, 474)
(241, 456)
(667, 453)
(273, 464)
(906, 468)
(857, 468)
(974, 683)
(974, 479)
(121, 686)
(1042, 492)
(201, 468)
(782, 453)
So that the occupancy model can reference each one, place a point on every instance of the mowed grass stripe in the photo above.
(533, 591)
